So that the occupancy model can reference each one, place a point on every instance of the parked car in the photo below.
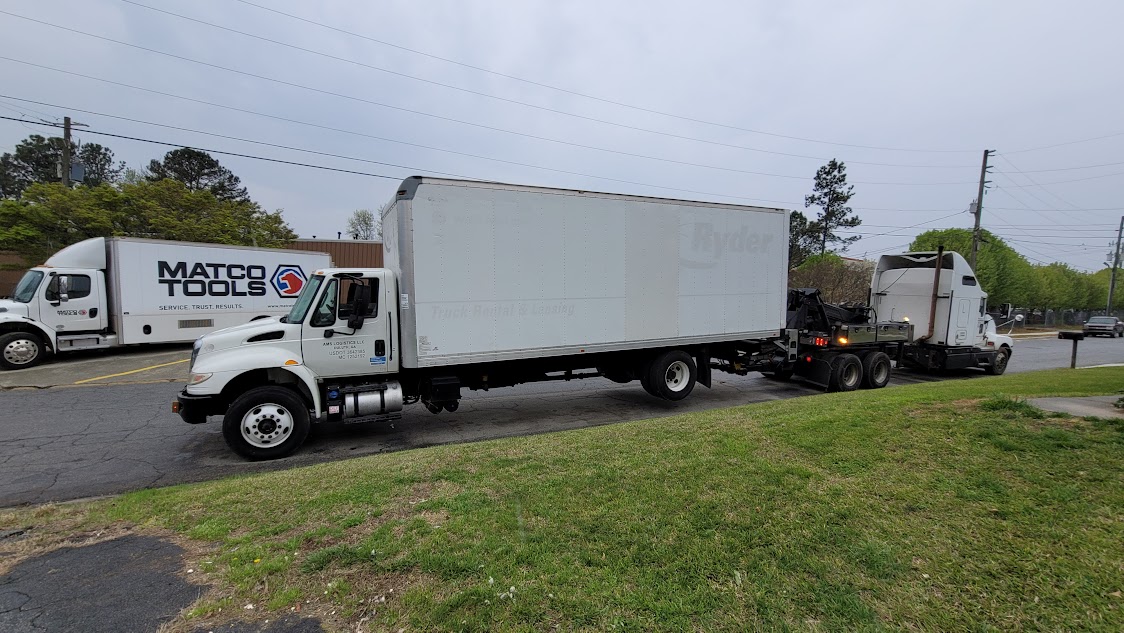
(1104, 326)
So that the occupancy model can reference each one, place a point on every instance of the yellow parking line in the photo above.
(135, 371)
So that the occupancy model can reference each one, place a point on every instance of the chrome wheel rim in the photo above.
(21, 351)
(850, 375)
(677, 376)
(267, 425)
(881, 372)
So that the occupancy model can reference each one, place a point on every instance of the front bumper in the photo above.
(195, 409)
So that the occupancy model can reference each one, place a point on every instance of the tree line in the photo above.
(186, 195)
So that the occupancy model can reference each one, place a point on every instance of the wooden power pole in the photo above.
(979, 208)
(1115, 265)
(66, 152)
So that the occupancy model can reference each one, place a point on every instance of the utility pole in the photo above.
(979, 207)
(1115, 265)
(66, 152)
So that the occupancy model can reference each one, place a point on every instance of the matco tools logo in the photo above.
(288, 280)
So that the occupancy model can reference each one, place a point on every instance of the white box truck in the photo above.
(489, 285)
(106, 292)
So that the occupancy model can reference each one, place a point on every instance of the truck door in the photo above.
(74, 302)
(963, 318)
(331, 346)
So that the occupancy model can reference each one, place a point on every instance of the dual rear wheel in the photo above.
(849, 372)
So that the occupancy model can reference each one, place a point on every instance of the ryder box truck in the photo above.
(106, 292)
(489, 285)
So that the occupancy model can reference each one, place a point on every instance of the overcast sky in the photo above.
(923, 88)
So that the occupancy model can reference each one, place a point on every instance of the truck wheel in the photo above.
(672, 375)
(999, 365)
(846, 373)
(876, 370)
(266, 423)
(20, 350)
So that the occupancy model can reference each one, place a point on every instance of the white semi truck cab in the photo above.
(107, 292)
(938, 293)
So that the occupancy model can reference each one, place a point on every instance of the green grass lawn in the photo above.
(947, 506)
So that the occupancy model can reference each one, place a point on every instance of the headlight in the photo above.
(198, 378)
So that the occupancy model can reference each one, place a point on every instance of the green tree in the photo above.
(803, 239)
(99, 163)
(37, 159)
(831, 193)
(50, 216)
(1004, 274)
(199, 171)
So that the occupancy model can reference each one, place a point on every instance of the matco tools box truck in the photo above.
(106, 292)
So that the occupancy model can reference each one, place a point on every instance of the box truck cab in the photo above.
(106, 292)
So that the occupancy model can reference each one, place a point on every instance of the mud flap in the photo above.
(817, 371)
(702, 369)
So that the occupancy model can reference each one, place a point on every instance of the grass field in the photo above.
(945, 506)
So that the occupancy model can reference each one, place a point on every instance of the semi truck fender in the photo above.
(18, 323)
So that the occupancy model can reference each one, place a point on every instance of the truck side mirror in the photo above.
(1019, 318)
(360, 303)
(63, 284)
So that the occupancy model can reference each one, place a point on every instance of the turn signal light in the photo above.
(842, 340)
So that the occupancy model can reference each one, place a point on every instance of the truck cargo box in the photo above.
(492, 272)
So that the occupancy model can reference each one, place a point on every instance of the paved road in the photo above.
(96, 439)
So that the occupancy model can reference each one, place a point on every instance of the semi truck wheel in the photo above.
(20, 350)
(877, 370)
(999, 366)
(672, 375)
(266, 423)
(846, 373)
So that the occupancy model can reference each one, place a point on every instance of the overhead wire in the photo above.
(493, 128)
(406, 167)
(586, 95)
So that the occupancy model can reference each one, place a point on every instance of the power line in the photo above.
(1044, 189)
(581, 94)
(407, 167)
(341, 95)
(322, 167)
(1038, 171)
(212, 151)
(1056, 145)
(429, 81)
(569, 143)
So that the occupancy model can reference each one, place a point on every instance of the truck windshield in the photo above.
(25, 289)
(304, 300)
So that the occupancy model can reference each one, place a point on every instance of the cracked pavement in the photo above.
(73, 442)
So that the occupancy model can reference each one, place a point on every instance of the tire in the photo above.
(846, 373)
(20, 350)
(647, 385)
(877, 370)
(672, 375)
(266, 423)
(1000, 365)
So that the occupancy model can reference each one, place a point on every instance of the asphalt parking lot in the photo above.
(162, 363)
(101, 424)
